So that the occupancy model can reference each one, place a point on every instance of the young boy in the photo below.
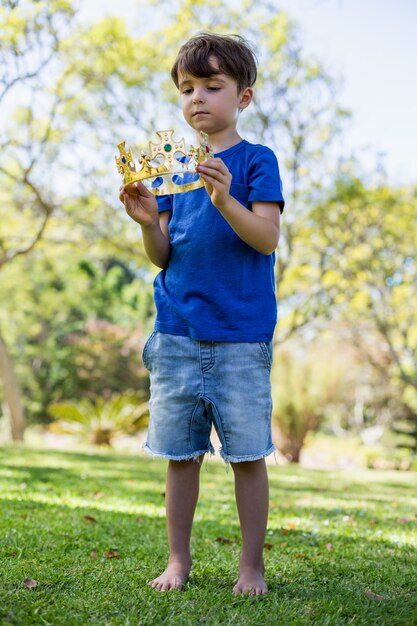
(210, 354)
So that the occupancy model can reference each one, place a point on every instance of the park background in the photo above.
(82, 508)
(335, 101)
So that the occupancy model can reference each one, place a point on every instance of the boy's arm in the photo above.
(142, 207)
(156, 241)
(258, 228)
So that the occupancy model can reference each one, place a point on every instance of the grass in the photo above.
(340, 548)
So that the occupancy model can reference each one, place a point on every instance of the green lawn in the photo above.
(340, 549)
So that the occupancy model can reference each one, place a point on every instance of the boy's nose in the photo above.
(197, 98)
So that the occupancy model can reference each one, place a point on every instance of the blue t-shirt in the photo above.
(216, 287)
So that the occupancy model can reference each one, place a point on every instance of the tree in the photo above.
(363, 240)
(82, 88)
(48, 183)
(27, 46)
(75, 325)
(309, 386)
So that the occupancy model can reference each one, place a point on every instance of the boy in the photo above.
(210, 354)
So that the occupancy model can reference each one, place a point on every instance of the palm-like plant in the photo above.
(100, 420)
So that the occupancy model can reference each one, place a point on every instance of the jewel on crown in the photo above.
(167, 167)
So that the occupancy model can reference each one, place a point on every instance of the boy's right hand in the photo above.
(140, 203)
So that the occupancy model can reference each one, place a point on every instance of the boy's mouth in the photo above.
(200, 113)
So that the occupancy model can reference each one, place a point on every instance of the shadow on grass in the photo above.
(56, 548)
(89, 475)
(69, 556)
(76, 469)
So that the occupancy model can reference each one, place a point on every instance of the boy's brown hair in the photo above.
(233, 54)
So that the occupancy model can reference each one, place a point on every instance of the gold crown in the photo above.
(167, 168)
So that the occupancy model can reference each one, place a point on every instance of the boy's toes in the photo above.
(251, 582)
(250, 591)
(176, 583)
(174, 577)
(243, 589)
(155, 585)
(166, 585)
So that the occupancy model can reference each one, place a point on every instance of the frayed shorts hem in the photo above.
(178, 457)
(228, 458)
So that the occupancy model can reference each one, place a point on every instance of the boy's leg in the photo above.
(252, 496)
(181, 497)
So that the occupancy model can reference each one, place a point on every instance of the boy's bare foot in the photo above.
(174, 577)
(251, 581)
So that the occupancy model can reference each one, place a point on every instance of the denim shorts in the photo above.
(197, 384)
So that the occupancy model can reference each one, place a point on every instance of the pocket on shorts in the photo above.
(266, 349)
(146, 349)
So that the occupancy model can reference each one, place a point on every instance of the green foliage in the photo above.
(106, 358)
(363, 243)
(379, 458)
(76, 326)
(75, 306)
(307, 384)
(24, 23)
(100, 420)
(407, 428)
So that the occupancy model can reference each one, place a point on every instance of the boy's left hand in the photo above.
(217, 180)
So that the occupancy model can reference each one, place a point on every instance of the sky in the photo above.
(372, 46)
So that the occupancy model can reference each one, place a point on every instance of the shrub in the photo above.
(100, 420)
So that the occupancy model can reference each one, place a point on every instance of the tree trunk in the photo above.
(289, 446)
(12, 404)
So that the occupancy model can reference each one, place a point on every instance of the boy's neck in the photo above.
(221, 141)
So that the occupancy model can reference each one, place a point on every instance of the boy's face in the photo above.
(211, 104)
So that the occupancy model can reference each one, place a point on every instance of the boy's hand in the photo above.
(217, 180)
(140, 203)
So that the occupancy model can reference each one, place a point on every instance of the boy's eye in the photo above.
(213, 88)
(186, 91)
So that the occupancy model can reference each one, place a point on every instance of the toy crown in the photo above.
(168, 168)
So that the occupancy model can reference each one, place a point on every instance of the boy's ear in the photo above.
(245, 98)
